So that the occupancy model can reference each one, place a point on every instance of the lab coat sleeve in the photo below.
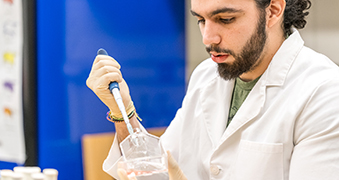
(316, 151)
(110, 164)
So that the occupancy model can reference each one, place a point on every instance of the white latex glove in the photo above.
(104, 70)
(174, 171)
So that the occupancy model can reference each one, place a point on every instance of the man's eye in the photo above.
(201, 21)
(227, 21)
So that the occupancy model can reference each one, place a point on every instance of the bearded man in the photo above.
(263, 107)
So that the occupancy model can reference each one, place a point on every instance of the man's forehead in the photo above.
(209, 6)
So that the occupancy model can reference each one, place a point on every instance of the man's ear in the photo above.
(275, 12)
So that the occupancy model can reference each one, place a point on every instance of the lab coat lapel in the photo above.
(250, 108)
(215, 105)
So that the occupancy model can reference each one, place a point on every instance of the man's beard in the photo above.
(248, 59)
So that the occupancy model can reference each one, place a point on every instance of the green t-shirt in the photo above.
(240, 92)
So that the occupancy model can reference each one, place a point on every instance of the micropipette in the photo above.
(115, 90)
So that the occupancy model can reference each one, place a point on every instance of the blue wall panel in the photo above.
(8, 165)
(148, 40)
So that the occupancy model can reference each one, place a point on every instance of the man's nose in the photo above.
(210, 34)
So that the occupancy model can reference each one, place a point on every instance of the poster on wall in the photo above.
(12, 144)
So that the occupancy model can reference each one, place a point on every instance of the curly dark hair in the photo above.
(294, 14)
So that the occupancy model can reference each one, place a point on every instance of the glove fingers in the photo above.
(105, 62)
(101, 67)
(107, 69)
(104, 78)
(103, 57)
(100, 84)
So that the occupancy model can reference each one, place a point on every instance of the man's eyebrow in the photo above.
(195, 14)
(225, 10)
(221, 10)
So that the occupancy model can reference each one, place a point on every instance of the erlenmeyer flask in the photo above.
(144, 157)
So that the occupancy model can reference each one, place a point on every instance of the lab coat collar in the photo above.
(282, 61)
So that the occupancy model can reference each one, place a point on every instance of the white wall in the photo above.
(322, 30)
(195, 49)
(321, 33)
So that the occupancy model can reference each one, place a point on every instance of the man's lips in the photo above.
(219, 58)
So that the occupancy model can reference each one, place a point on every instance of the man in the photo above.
(263, 106)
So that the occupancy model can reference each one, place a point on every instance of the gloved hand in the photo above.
(174, 171)
(104, 70)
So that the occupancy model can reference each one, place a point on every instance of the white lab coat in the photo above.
(287, 128)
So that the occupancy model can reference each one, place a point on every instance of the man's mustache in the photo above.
(217, 49)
